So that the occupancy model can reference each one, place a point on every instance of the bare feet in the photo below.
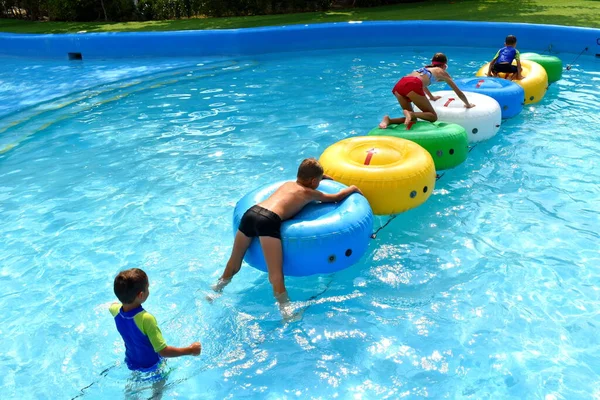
(408, 119)
(221, 283)
(384, 122)
(210, 297)
(218, 289)
(290, 313)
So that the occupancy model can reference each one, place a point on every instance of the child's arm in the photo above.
(114, 309)
(458, 92)
(489, 73)
(431, 97)
(193, 349)
(491, 64)
(334, 198)
(150, 329)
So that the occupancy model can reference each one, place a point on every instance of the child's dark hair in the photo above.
(510, 40)
(129, 283)
(309, 169)
(438, 58)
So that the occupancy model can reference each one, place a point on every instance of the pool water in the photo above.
(491, 289)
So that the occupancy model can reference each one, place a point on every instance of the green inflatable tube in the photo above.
(553, 65)
(447, 143)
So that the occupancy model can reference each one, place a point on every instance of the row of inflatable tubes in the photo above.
(395, 168)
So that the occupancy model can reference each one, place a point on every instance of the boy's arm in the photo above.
(114, 309)
(492, 63)
(519, 68)
(334, 198)
(160, 345)
(192, 350)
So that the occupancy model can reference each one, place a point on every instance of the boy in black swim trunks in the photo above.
(503, 59)
(264, 221)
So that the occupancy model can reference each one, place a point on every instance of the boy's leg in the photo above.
(273, 253)
(158, 389)
(519, 74)
(509, 75)
(240, 245)
(493, 71)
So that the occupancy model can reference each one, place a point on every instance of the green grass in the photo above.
(558, 12)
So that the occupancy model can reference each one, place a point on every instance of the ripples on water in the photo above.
(489, 290)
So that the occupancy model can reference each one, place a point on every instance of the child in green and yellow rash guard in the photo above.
(144, 343)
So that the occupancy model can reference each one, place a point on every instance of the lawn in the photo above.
(558, 12)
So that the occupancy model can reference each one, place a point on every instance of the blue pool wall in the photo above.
(276, 39)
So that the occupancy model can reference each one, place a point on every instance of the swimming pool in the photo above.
(490, 289)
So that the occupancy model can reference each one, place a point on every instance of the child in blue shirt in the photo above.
(503, 59)
(144, 343)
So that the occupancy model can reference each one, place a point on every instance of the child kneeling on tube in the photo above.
(264, 221)
(503, 59)
(413, 87)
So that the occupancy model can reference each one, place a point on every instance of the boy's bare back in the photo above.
(289, 199)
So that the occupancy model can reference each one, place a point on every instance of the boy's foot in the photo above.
(384, 122)
(212, 296)
(289, 314)
(217, 288)
(294, 317)
(221, 283)
(408, 119)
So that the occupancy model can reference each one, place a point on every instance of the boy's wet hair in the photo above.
(309, 169)
(510, 40)
(129, 283)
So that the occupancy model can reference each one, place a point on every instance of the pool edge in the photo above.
(301, 37)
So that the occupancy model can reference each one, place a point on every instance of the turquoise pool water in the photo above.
(488, 290)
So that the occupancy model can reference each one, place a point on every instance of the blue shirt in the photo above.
(143, 339)
(506, 55)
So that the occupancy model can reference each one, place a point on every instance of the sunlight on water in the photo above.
(488, 290)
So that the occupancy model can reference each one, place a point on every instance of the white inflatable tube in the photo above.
(481, 122)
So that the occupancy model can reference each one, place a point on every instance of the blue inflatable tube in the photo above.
(507, 93)
(322, 238)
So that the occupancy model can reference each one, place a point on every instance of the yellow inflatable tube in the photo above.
(534, 82)
(394, 174)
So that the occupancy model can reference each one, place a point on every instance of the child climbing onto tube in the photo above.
(263, 221)
(413, 89)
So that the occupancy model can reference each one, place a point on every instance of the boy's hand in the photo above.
(434, 98)
(356, 190)
(195, 349)
(469, 105)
